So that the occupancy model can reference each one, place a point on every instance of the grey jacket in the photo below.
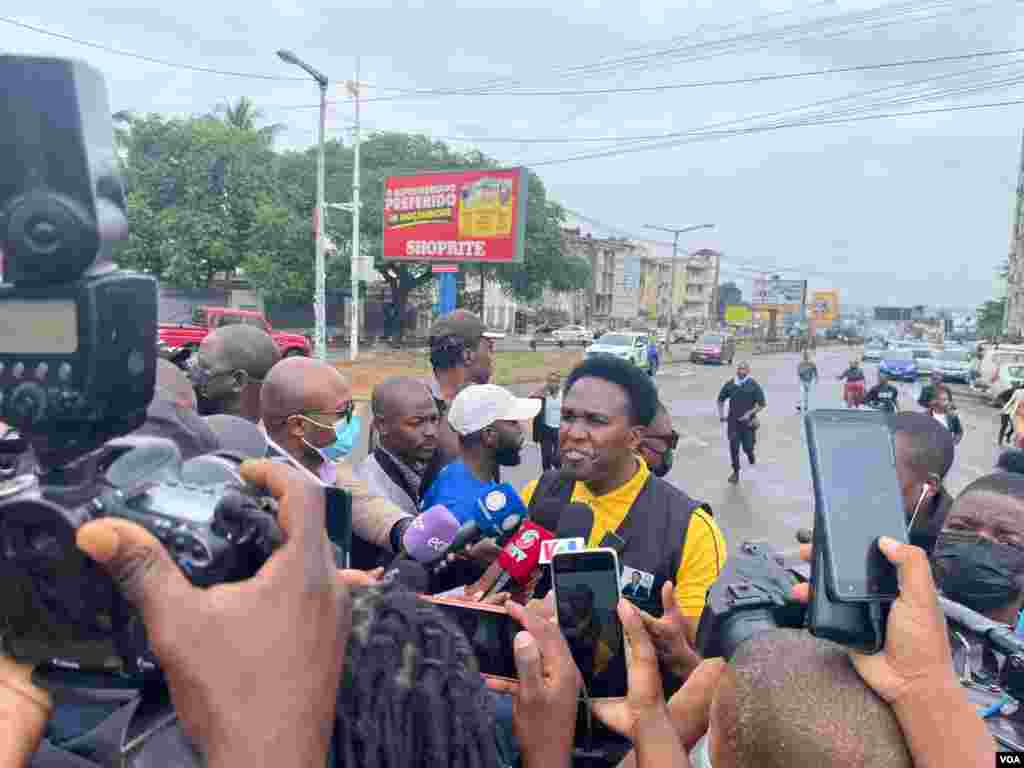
(379, 484)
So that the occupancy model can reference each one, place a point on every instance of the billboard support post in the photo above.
(356, 259)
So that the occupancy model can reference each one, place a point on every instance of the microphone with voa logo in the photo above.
(497, 513)
(575, 522)
(519, 559)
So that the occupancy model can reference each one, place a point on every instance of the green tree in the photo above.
(244, 114)
(194, 189)
(990, 318)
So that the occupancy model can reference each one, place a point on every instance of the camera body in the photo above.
(751, 595)
(78, 351)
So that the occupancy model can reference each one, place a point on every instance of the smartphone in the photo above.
(490, 631)
(857, 499)
(848, 624)
(586, 586)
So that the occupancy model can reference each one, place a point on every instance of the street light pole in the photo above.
(357, 256)
(320, 291)
(676, 232)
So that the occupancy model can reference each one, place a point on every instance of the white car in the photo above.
(628, 346)
(573, 334)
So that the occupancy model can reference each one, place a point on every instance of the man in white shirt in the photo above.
(548, 420)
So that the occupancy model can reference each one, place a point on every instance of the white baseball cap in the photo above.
(480, 405)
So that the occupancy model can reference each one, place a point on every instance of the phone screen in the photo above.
(587, 594)
(858, 498)
(490, 632)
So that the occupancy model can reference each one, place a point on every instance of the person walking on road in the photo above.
(746, 399)
(653, 362)
(853, 390)
(807, 372)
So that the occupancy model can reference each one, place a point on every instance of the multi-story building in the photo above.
(699, 289)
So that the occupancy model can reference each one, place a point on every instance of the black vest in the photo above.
(652, 534)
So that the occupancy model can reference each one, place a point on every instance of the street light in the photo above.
(320, 292)
(676, 232)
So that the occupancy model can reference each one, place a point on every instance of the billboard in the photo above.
(825, 307)
(737, 314)
(459, 216)
(774, 292)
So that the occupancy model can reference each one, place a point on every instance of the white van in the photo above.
(999, 370)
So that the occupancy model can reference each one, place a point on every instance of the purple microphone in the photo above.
(430, 535)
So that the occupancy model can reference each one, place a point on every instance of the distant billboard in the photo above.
(774, 292)
(825, 307)
(737, 314)
(460, 216)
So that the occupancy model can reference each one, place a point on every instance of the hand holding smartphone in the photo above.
(586, 587)
(857, 499)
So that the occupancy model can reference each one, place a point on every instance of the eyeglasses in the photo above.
(342, 414)
(200, 375)
(672, 439)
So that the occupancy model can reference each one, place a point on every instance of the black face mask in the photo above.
(977, 572)
(508, 455)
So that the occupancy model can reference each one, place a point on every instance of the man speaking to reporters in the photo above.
(659, 531)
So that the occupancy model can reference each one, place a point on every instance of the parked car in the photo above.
(954, 364)
(874, 351)
(899, 364)
(684, 336)
(573, 334)
(924, 359)
(1009, 376)
(714, 347)
(628, 346)
(179, 341)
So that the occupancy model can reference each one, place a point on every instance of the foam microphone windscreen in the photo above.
(521, 555)
(430, 534)
(576, 521)
(547, 513)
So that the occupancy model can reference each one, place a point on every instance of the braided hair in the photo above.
(412, 693)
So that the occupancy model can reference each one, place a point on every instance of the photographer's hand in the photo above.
(914, 672)
(671, 635)
(544, 699)
(643, 717)
(24, 710)
(253, 667)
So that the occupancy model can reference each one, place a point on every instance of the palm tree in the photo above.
(244, 114)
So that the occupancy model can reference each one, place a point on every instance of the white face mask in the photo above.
(700, 757)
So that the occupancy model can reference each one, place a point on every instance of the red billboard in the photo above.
(458, 216)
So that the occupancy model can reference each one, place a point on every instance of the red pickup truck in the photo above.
(178, 341)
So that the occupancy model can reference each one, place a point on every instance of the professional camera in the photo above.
(78, 347)
(752, 594)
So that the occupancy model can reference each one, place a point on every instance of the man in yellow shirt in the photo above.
(656, 528)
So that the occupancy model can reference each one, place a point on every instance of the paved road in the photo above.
(774, 497)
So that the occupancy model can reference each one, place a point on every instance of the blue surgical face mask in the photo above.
(347, 434)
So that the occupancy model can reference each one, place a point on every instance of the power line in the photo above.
(752, 79)
(151, 59)
(764, 129)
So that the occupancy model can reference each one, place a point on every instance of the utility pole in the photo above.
(357, 255)
(320, 291)
(1016, 234)
(676, 232)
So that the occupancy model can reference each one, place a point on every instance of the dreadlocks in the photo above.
(412, 694)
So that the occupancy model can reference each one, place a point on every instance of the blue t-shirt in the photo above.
(458, 489)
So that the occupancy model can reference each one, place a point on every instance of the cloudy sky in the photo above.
(889, 211)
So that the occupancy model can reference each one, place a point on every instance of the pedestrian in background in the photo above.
(807, 372)
(548, 420)
(745, 398)
(1006, 424)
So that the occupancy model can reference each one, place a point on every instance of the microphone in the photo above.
(520, 557)
(576, 522)
(430, 535)
(498, 512)
(1001, 636)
